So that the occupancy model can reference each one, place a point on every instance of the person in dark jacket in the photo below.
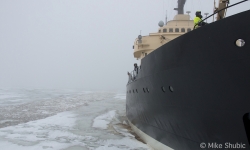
(136, 68)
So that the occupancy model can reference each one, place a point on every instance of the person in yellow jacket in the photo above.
(197, 20)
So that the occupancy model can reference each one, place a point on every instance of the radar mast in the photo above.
(180, 8)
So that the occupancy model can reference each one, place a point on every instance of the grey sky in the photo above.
(78, 43)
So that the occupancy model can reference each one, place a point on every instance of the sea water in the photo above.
(39, 119)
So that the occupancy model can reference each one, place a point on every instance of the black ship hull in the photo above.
(196, 89)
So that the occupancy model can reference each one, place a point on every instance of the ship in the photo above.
(192, 87)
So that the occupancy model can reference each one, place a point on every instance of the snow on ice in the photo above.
(69, 120)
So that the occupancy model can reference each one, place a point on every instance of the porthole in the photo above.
(147, 90)
(136, 91)
(171, 89)
(163, 89)
(143, 90)
(240, 43)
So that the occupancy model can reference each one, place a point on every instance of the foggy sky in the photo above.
(79, 43)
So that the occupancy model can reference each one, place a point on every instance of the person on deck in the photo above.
(136, 68)
(197, 20)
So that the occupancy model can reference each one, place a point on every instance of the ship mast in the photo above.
(222, 4)
(180, 8)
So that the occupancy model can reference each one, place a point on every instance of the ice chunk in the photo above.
(102, 121)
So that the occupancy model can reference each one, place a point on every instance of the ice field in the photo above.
(38, 119)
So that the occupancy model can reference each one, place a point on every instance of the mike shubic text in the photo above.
(225, 145)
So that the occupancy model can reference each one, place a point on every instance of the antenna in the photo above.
(214, 9)
(206, 15)
(188, 12)
(166, 19)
